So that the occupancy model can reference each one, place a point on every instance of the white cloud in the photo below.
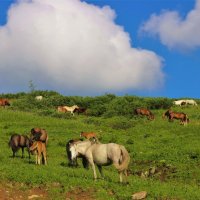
(174, 31)
(72, 47)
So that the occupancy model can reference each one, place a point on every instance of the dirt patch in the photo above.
(160, 171)
(79, 193)
(13, 191)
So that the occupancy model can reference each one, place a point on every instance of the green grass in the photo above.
(173, 150)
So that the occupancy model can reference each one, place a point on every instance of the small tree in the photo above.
(31, 86)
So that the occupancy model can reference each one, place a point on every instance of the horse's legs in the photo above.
(39, 157)
(120, 176)
(126, 175)
(36, 158)
(45, 158)
(90, 160)
(13, 152)
(100, 170)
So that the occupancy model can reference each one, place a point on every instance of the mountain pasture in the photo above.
(165, 156)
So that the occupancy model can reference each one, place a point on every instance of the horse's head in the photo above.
(73, 151)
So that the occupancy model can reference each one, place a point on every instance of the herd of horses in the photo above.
(90, 150)
(171, 115)
(36, 144)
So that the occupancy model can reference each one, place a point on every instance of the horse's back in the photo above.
(104, 153)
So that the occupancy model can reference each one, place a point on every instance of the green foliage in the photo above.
(107, 105)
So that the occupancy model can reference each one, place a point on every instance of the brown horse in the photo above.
(39, 134)
(40, 150)
(19, 141)
(176, 115)
(4, 102)
(74, 162)
(144, 111)
(88, 135)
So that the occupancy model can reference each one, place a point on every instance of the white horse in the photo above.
(70, 109)
(102, 154)
(39, 98)
(191, 102)
(179, 102)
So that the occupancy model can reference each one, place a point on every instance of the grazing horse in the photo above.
(88, 135)
(4, 102)
(70, 109)
(19, 141)
(182, 116)
(39, 134)
(40, 150)
(144, 111)
(191, 102)
(102, 154)
(74, 161)
(179, 102)
(80, 110)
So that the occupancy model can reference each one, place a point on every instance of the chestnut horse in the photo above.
(88, 135)
(176, 115)
(40, 150)
(144, 111)
(4, 102)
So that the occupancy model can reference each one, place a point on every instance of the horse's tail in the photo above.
(125, 159)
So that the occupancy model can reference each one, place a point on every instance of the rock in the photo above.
(139, 195)
(33, 196)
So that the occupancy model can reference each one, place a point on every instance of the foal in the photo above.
(40, 149)
(88, 135)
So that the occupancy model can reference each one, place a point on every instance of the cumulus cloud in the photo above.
(174, 31)
(73, 47)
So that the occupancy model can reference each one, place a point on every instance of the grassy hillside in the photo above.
(165, 156)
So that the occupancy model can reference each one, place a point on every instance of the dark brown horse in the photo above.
(73, 162)
(4, 102)
(19, 141)
(80, 110)
(39, 134)
(177, 115)
(144, 111)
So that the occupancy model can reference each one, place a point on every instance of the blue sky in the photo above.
(154, 49)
